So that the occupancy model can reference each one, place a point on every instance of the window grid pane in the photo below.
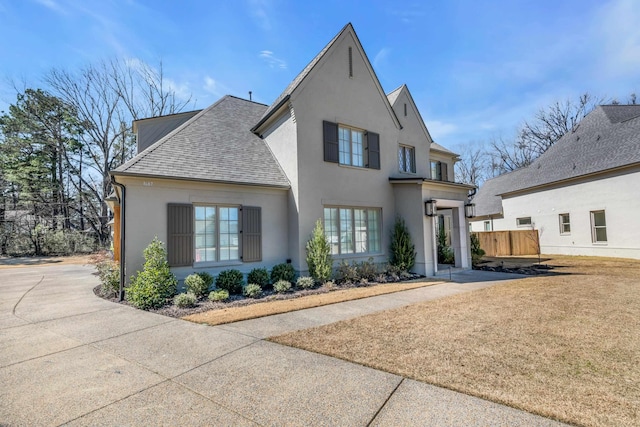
(346, 231)
(599, 227)
(374, 231)
(360, 227)
(356, 142)
(344, 146)
(401, 159)
(331, 229)
(205, 225)
(229, 239)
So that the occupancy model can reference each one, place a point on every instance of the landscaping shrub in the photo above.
(195, 284)
(403, 254)
(231, 280)
(252, 290)
(367, 269)
(319, 254)
(151, 287)
(282, 286)
(208, 278)
(305, 282)
(259, 276)
(109, 274)
(445, 253)
(346, 272)
(185, 300)
(282, 272)
(219, 295)
(476, 251)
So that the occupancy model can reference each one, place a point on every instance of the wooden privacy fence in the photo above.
(508, 243)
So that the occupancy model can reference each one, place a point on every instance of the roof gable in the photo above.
(316, 64)
(215, 145)
(403, 93)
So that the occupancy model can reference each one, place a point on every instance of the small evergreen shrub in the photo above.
(282, 286)
(367, 269)
(109, 274)
(403, 254)
(305, 282)
(259, 276)
(346, 272)
(208, 278)
(195, 284)
(282, 272)
(185, 300)
(476, 251)
(445, 253)
(151, 287)
(319, 254)
(252, 290)
(219, 295)
(231, 280)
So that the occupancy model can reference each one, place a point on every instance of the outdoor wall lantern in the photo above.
(469, 210)
(430, 208)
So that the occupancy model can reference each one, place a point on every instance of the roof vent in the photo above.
(598, 137)
(577, 137)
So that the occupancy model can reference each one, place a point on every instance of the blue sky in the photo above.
(477, 69)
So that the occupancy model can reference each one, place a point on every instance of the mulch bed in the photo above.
(533, 270)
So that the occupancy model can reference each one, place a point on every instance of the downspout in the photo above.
(121, 199)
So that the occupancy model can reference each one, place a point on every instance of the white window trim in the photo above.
(594, 227)
(362, 144)
(524, 225)
(217, 261)
(353, 254)
(562, 224)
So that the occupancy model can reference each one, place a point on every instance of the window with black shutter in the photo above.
(351, 146)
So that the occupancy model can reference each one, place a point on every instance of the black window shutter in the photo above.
(444, 172)
(330, 131)
(251, 234)
(180, 234)
(373, 148)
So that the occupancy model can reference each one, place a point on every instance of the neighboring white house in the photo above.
(241, 184)
(582, 195)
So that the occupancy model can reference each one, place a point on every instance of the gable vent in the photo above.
(405, 110)
(350, 62)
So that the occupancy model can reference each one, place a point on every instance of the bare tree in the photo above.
(536, 136)
(107, 97)
(473, 166)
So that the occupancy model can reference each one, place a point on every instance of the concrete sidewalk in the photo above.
(69, 357)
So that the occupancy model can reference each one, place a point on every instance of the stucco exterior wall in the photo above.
(617, 195)
(146, 217)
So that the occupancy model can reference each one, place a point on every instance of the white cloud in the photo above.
(272, 61)
(381, 57)
(53, 5)
(214, 87)
(439, 129)
(259, 10)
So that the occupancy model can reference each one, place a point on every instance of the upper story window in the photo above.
(439, 171)
(407, 159)
(351, 146)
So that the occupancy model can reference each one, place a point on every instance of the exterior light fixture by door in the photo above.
(469, 210)
(430, 208)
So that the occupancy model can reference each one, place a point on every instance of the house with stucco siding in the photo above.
(582, 194)
(241, 184)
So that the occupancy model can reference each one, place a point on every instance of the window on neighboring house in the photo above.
(407, 159)
(565, 223)
(352, 230)
(350, 146)
(598, 227)
(487, 226)
(439, 171)
(523, 222)
(213, 233)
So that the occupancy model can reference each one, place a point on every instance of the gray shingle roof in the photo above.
(607, 138)
(216, 145)
(437, 147)
(299, 78)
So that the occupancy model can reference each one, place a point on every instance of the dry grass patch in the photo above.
(268, 308)
(566, 347)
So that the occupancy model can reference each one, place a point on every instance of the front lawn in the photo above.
(565, 346)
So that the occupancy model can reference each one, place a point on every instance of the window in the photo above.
(213, 233)
(523, 222)
(565, 223)
(439, 171)
(407, 159)
(487, 226)
(349, 146)
(598, 227)
(217, 233)
(352, 230)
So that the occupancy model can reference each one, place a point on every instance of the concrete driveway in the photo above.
(68, 357)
